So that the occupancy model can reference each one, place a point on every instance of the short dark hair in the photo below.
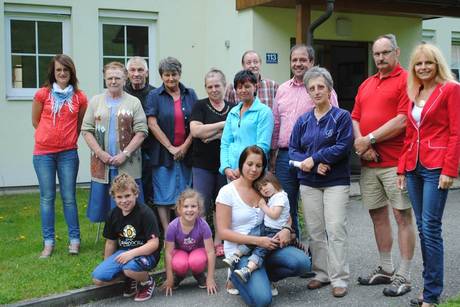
(310, 50)
(243, 76)
(268, 178)
(170, 64)
(67, 62)
(253, 149)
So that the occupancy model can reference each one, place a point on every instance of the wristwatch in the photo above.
(372, 138)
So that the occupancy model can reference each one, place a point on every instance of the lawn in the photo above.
(22, 274)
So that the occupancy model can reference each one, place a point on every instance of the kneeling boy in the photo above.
(132, 246)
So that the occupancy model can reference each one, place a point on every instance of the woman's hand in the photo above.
(168, 286)
(211, 285)
(307, 164)
(283, 236)
(118, 159)
(268, 243)
(445, 182)
(401, 182)
(232, 174)
(104, 156)
(323, 169)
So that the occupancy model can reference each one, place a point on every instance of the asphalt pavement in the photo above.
(363, 258)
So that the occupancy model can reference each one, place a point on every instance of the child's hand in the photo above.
(168, 286)
(211, 285)
(123, 258)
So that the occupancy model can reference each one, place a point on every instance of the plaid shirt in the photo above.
(266, 92)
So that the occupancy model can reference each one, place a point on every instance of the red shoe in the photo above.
(145, 292)
(219, 250)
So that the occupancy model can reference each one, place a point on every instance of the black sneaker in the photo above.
(377, 277)
(130, 288)
(201, 279)
(177, 281)
(244, 274)
(399, 286)
(416, 302)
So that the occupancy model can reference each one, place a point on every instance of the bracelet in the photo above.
(288, 228)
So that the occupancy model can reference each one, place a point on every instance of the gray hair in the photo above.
(215, 71)
(137, 59)
(170, 64)
(309, 49)
(391, 37)
(248, 52)
(316, 72)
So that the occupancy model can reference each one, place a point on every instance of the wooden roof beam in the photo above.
(246, 4)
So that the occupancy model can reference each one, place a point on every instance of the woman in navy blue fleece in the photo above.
(321, 140)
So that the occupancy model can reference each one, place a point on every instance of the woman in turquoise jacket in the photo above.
(250, 122)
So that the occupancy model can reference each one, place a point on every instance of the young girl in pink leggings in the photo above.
(189, 245)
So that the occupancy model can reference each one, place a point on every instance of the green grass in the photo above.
(453, 302)
(22, 274)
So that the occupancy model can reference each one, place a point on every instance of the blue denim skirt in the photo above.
(168, 183)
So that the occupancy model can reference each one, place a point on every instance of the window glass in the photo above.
(24, 71)
(49, 37)
(114, 40)
(22, 36)
(137, 41)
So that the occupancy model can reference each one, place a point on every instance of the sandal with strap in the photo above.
(219, 250)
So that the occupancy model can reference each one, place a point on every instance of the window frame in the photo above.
(122, 18)
(28, 93)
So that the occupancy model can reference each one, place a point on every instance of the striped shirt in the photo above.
(266, 92)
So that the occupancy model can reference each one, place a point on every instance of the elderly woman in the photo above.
(321, 140)
(168, 111)
(429, 158)
(206, 126)
(57, 111)
(114, 127)
(250, 122)
(237, 213)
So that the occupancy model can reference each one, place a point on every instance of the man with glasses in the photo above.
(266, 88)
(379, 121)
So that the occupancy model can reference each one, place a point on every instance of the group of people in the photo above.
(253, 148)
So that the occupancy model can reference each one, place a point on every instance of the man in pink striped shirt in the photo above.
(291, 101)
(266, 88)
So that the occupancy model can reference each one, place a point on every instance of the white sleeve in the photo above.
(225, 196)
(277, 200)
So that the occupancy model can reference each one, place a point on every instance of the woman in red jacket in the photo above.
(430, 155)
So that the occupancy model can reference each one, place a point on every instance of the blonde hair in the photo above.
(115, 65)
(443, 73)
(122, 183)
(187, 194)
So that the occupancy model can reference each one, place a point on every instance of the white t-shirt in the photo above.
(244, 217)
(278, 199)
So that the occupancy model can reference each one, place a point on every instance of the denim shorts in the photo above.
(110, 268)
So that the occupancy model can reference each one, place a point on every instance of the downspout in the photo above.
(319, 21)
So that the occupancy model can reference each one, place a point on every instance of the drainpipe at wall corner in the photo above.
(319, 21)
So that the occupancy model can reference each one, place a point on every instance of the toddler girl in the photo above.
(189, 245)
(276, 218)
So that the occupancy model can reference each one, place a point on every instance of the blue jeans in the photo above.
(208, 183)
(258, 253)
(286, 262)
(65, 164)
(428, 204)
(287, 175)
(110, 268)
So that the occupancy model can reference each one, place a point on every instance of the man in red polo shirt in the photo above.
(379, 121)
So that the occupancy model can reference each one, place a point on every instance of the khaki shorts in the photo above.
(378, 188)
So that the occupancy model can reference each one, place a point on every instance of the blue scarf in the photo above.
(61, 97)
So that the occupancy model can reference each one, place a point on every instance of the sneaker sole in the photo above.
(379, 280)
(241, 277)
(400, 292)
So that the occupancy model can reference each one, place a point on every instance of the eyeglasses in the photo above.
(385, 53)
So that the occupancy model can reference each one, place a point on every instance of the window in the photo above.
(455, 54)
(127, 34)
(31, 41)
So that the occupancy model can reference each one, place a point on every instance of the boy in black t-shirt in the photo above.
(132, 246)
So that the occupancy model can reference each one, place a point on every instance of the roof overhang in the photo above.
(415, 8)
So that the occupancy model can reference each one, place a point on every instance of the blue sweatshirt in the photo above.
(328, 141)
(255, 127)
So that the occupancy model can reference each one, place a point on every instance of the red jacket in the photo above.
(436, 142)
